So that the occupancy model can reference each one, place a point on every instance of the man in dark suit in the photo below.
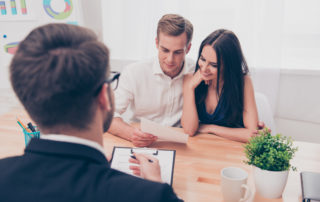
(61, 75)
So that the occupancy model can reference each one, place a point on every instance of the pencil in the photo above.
(23, 126)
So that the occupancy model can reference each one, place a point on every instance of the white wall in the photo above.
(92, 16)
(298, 106)
(16, 27)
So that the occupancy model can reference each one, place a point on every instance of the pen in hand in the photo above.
(132, 156)
(148, 167)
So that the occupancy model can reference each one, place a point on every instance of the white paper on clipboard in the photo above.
(163, 132)
(121, 155)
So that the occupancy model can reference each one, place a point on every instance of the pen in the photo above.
(31, 127)
(136, 158)
(23, 126)
(20, 125)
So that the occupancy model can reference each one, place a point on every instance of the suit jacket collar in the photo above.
(71, 150)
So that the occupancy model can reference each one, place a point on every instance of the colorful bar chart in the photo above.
(3, 8)
(23, 7)
(11, 48)
(13, 7)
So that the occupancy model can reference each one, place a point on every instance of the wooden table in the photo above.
(198, 163)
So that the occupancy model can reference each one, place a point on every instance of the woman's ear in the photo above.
(103, 98)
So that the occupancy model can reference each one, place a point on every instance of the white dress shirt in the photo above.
(148, 93)
(73, 139)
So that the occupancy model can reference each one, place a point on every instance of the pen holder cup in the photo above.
(29, 135)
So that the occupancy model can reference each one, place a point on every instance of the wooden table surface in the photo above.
(198, 163)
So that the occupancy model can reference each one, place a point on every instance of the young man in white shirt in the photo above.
(153, 88)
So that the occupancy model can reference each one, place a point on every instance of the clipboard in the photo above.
(121, 155)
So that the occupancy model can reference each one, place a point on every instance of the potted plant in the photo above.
(270, 156)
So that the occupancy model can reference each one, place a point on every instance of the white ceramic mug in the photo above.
(234, 185)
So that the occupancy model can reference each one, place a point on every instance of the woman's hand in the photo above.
(196, 79)
(253, 132)
(204, 128)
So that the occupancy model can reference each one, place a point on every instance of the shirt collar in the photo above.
(73, 139)
(158, 71)
(156, 67)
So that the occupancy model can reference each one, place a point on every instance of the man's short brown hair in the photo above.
(55, 72)
(174, 25)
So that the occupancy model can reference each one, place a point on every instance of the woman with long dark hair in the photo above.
(219, 96)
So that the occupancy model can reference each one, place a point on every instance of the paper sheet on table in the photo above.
(163, 132)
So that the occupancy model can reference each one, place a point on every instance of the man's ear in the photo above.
(157, 42)
(103, 98)
(188, 48)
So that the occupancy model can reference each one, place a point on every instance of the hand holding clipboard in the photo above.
(122, 160)
(145, 166)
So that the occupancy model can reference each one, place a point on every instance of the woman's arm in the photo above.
(189, 119)
(235, 134)
(250, 112)
(250, 119)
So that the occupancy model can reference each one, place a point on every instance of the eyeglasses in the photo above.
(113, 82)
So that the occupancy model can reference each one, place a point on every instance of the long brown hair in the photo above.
(230, 57)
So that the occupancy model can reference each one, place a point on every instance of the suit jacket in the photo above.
(60, 171)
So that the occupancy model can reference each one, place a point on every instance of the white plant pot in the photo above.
(270, 184)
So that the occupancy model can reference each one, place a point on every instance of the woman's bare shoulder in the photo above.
(187, 77)
(247, 79)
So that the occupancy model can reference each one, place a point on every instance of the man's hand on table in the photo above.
(141, 139)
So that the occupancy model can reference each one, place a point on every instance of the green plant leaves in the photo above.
(270, 152)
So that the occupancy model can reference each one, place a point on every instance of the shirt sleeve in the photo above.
(124, 94)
